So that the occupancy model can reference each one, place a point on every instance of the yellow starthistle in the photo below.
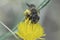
(29, 31)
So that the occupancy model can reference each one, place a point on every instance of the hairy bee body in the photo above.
(34, 16)
(32, 13)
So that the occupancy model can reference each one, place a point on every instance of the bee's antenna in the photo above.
(27, 4)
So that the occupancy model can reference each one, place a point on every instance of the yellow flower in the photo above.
(29, 31)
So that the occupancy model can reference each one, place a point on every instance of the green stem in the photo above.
(42, 5)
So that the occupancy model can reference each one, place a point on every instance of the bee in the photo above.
(32, 13)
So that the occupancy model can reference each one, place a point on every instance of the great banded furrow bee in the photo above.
(33, 16)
